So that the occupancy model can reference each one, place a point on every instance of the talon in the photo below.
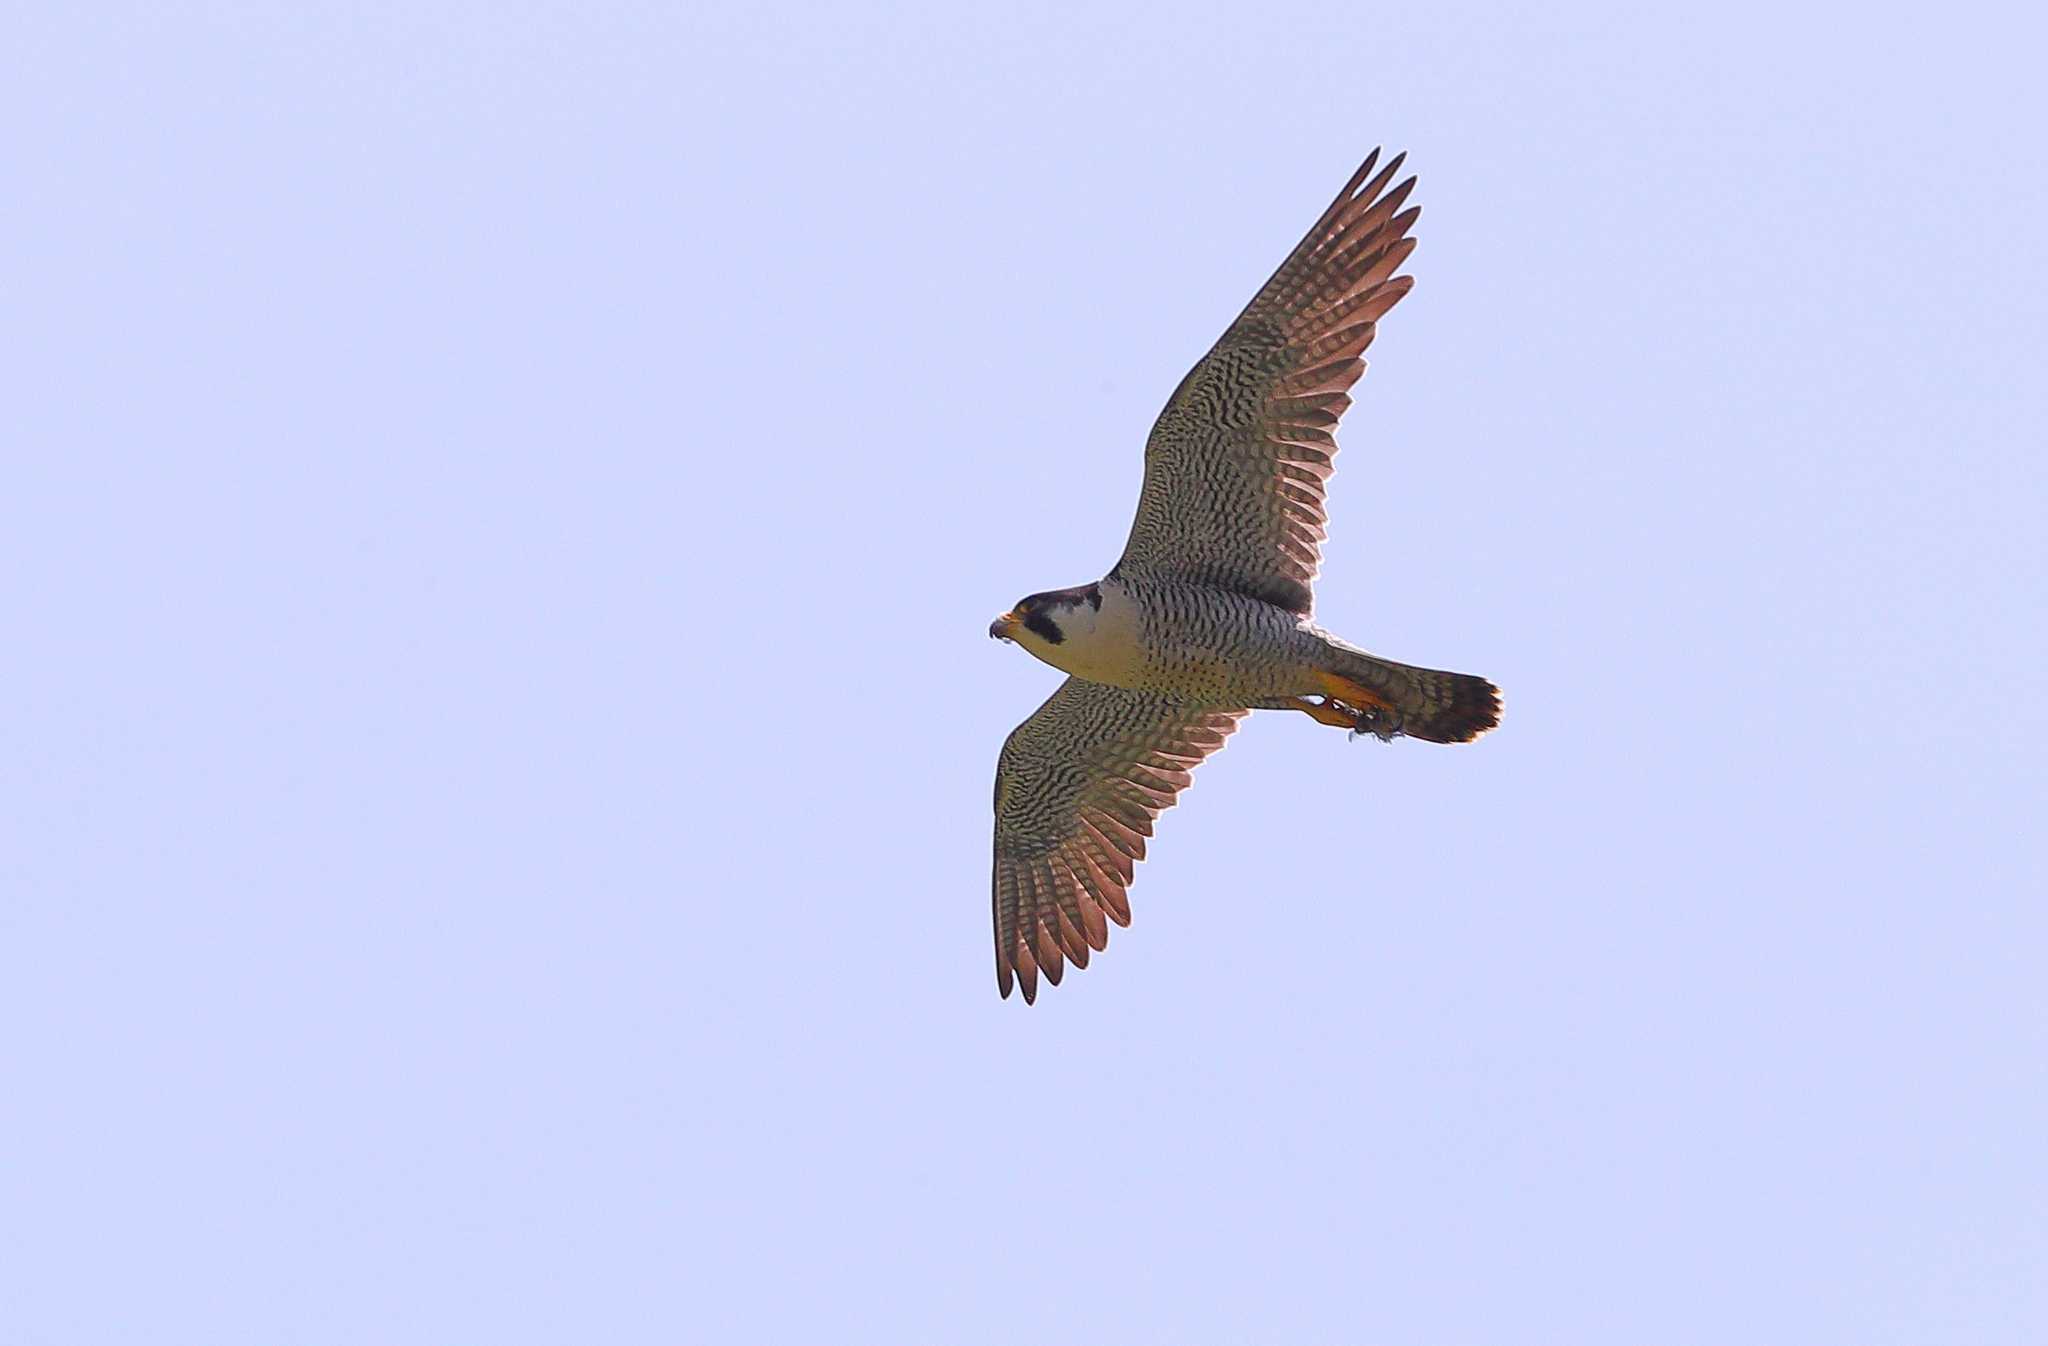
(1379, 721)
(1374, 715)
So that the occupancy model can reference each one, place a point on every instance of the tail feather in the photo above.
(1427, 703)
(1449, 707)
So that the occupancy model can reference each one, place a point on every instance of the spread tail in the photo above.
(1423, 703)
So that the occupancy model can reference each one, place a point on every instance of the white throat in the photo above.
(1101, 643)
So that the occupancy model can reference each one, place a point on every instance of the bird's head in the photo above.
(1045, 620)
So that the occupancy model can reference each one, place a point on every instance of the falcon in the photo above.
(1206, 616)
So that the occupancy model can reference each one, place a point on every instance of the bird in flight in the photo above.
(1206, 616)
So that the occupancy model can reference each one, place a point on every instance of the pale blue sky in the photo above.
(502, 508)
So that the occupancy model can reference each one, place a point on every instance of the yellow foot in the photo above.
(1351, 693)
(1328, 711)
(1357, 707)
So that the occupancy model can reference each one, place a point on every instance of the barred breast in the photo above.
(1207, 646)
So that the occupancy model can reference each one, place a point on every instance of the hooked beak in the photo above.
(1004, 627)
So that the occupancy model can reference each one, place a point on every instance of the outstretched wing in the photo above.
(1077, 787)
(1235, 467)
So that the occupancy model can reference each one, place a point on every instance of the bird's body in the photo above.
(1191, 642)
(1207, 614)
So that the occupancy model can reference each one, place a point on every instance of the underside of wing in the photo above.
(1236, 463)
(1078, 786)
